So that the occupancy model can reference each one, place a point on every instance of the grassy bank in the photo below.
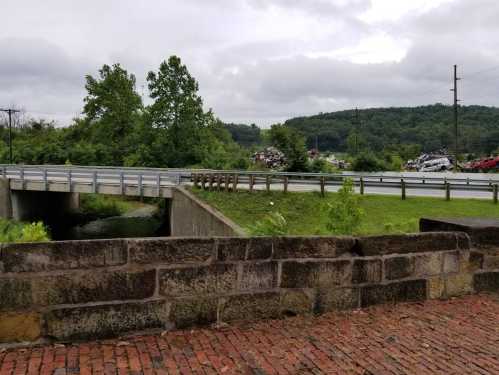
(305, 213)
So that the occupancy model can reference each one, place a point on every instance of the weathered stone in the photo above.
(217, 278)
(19, 327)
(232, 249)
(62, 255)
(249, 307)
(486, 282)
(476, 261)
(408, 243)
(337, 299)
(93, 287)
(312, 247)
(316, 274)
(404, 291)
(491, 262)
(366, 271)
(482, 231)
(260, 248)
(197, 311)
(15, 294)
(458, 284)
(172, 250)
(95, 322)
(451, 262)
(399, 267)
(296, 302)
(428, 264)
(436, 287)
(259, 276)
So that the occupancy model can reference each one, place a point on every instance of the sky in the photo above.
(256, 61)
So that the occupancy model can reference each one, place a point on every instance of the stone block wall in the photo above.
(75, 290)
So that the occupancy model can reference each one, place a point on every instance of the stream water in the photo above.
(145, 221)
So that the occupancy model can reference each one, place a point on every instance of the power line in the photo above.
(10, 111)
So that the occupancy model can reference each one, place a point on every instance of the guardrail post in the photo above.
(158, 184)
(234, 186)
(195, 179)
(219, 182)
(447, 191)
(251, 183)
(495, 193)
(361, 186)
(323, 186)
(140, 185)
(286, 182)
(210, 181)
(45, 181)
(4, 172)
(94, 182)
(203, 181)
(467, 181)
(226, 182)
(402, 185)
(122, 183)
(70, 181)
(267, 183)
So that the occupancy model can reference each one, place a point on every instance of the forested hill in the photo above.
(430, 126)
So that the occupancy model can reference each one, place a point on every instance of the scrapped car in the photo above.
(435, 165)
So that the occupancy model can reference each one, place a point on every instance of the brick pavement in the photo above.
(460, 336)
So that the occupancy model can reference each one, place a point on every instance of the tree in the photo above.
(178, 111)
(292, 144)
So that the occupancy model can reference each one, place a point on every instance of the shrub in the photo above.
(274, 224)
(344, 213)
(13, 231)
(367, 162)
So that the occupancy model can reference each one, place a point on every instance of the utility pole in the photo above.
(357, 123)
(456, 150)
(10, 112)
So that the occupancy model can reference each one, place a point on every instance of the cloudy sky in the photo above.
(257, 61)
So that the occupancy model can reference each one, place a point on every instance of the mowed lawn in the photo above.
(306, 213)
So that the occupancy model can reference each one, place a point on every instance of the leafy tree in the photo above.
(367, 162)
(292, 144)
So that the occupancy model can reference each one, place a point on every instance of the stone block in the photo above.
(62, 255)
(403, 291)
(451, 262)
(491, 262)
(259, 276)
(476, 260)
(366, 271)
(486, 282)
(93, 287)
(312, 247)
(436, 287)
(458, 284)
(337, 299)
(172, 250)
(217, 278)
(249, 307)
(191, 312)
(260, 248)
(105, 321)
(399, 267)
(15, 294)
(297, 302)
(19, 327)
(231, 249)
(408, 243)
(428, 264)
(316, 274)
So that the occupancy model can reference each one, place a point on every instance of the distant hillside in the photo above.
(429, 126)
(245, 135)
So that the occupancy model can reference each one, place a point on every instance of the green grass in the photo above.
(16, 231)
(106, 205)
(305, 213)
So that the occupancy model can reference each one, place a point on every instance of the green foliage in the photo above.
(426, 127)
(14, 231)
(367, 162)
(99, 205)
(292, 144)
(321, 166)
(344, 212)
(274, 224)
(245, 135)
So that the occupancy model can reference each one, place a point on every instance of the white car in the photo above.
(435, 165)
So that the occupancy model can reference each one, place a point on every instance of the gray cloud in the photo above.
(256, 61)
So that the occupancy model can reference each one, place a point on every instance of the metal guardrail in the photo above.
(229, 180)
